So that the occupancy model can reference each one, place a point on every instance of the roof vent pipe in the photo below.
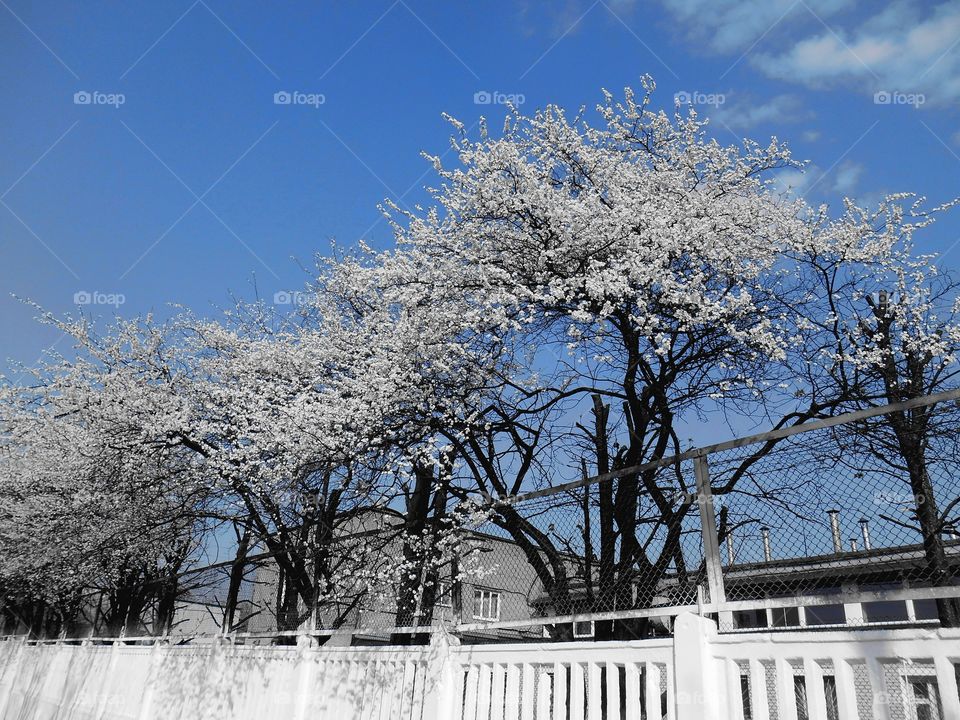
(765, 534)
(853, 544)
(835, 530)
(865, 532)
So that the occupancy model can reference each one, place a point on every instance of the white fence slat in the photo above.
(613, 691)
(318, 699)
(370, 702)
(369, 689)
(483, 692)
(947, 684)
(846, 689)
(512, 698)
(353, 692)
(786, 695)
(881, 698)
(631, 679)
(399, 679)
(543, 696)
(458, 677)
(406, 689)
(421, 690)
(527, 692)
(470, 698)
(651, 690)
(383, 687)
(577, 708)
(105, 691)
(816, 698)
(671, 692)
(497, 692)
(759, 701)
(730, 670)
(559, 691)
(341, 692)
(594, 708)
(338, 706)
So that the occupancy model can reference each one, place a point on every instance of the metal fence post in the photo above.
(708, 530)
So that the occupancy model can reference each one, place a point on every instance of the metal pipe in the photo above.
(730, 552)
(865, 532)
(853, 544)
(765, 534)
(835, 530)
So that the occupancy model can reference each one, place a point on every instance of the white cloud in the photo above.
(794, 182)
(811, 179)
(955, 138)
(903, 46)
(733, 25)
(847, 177)
(745, 113)
(898, 50)
(810, 135)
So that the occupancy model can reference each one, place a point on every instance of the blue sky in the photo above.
(182, 180)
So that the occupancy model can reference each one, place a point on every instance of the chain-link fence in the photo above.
(847, 521)
(851, 521)
(855, 524)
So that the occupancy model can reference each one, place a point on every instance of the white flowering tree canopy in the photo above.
(624, 255)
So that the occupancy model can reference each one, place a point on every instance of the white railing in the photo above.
(902, 674)
(699, 674)
(570, 680)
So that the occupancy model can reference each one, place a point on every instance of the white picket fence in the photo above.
(908, 674)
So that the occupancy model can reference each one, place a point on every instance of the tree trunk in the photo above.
(411, 578)
(928, 516)
(236, 580)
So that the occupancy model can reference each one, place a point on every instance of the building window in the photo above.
(923, 698)
(750, 618)
(885, 611)
(825, 615)
(926, 610)
(785, 617)
(583, 629)
(486, 605)
(444, 594)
